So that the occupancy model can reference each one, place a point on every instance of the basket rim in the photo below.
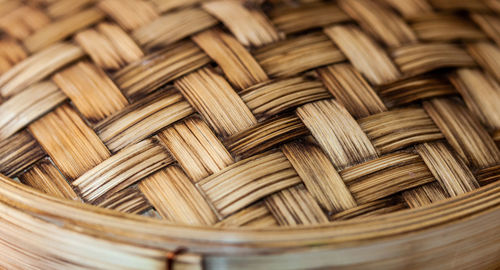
(153, 233)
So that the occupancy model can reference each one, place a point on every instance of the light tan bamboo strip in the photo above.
(270, 98)
(23, 21)
(265, 135)
(410, 8)
(237, 63)
(250, 27)
(424, 195)
(337, 133)
(143, 77)
(481, 94)
(370, 209)
(142, 119)
(176, 198)
(445, 27)
(295, 206)
(129, 14)
(173, 27)
(129, 200)
(380, 21)
(247, 181)
(487, 55)
(45, 177)
(18, 152)
(167, 5)
(463, 132)
(351, 90)
(489, 24)
(399, 128)
(256, 216)
(109, 46)
(90, 90)
(122, 170)
(61, 29)
(214, 98)
(196, 148)
(67, 7)
(71, 144)
(364, 54)
(450, 171)
(319, 176)
(421, 58)
(38, 67)
(295, 55)
(291, 19)
(415, 88)
(25, 107)
(11, 53)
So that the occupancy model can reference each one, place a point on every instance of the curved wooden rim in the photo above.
(159, 234)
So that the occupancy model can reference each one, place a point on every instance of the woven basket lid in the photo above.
(235, 133)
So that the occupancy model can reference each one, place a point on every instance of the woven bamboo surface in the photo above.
(254, 114)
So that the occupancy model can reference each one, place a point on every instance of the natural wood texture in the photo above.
(142, 119)
(373, 123)
(176, 197)
(337, 133)
(71, 144)
(143, 77)
(196, 148)
(38, 67)
(45, 177)
(173, 27)
(239, 65)
(109, 46)
(250, 27)
(213, 97)
(90, 90)
(25, 107)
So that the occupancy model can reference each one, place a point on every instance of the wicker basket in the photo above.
(281, 134)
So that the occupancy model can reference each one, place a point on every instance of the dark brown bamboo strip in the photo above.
(247, 181)
(296, 55)
(445, 27)
(249, 26)
(337, 133)
(237, 63)
(71, 144)
(458, 5)
(399, 128)
(176, 198)
(463, 132)
(121, 170)
(60, 29)
(38, 67)
(46, 177)
(18, 152)
(212, 96)
(265, 135)
(489, 24)
(109, 46)
(153, 71)
(424, 195)
(91, 91)
(270, 98)
(142, 119)
(129, 200)
(319, 176)
(380, 21)
(295, 206)
(488, 175)
(351, 90)
(196, 148)
(292, 19)
(173, 27)
(129, 14)
(28, 105)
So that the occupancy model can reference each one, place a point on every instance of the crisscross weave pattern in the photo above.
(251, 113)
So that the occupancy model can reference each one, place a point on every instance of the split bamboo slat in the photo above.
(249, 134)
